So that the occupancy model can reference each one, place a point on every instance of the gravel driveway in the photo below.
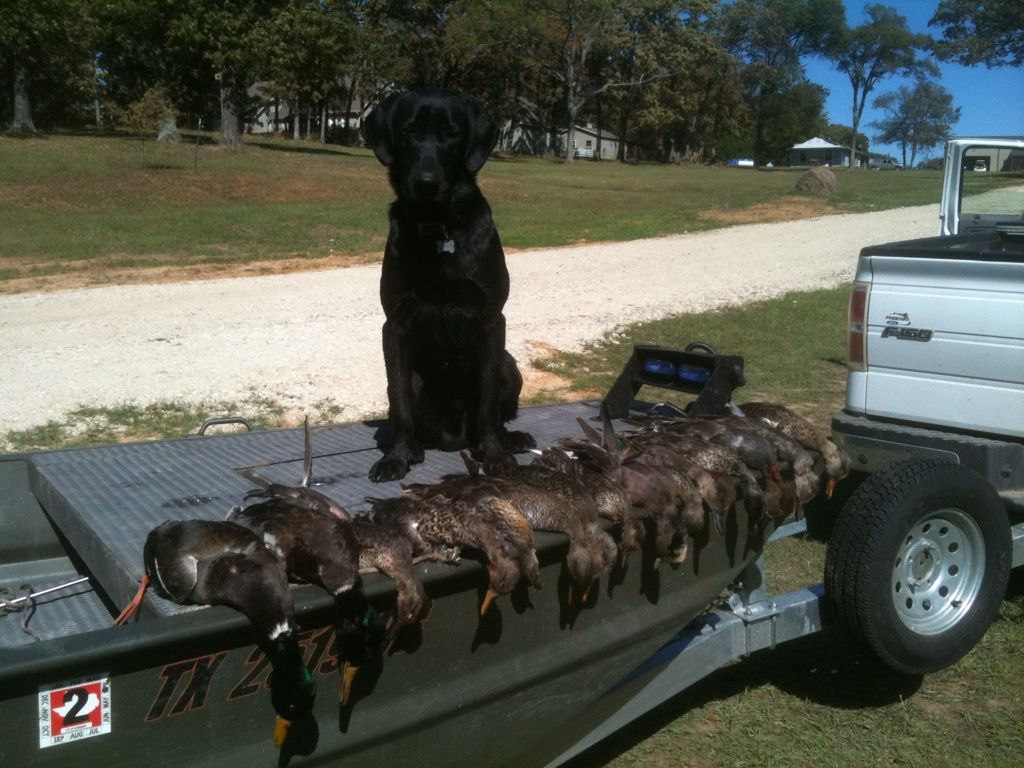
(305, 337)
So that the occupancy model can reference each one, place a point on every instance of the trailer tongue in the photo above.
(533, 682)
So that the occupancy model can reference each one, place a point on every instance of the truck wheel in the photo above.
(918, 562)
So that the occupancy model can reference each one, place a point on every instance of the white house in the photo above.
(818, 151)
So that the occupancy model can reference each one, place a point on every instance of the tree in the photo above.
(771, 36)
(145, 117)
(226, 35)
(570, 28)
(989, 33)
(698, 111)
(790, 117)
(306, 45)
(837, 133)
(881, 46)
(918, 118)
(690, 87)
(45, 54)
(134, 53)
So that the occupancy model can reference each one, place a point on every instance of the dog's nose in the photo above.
(427, 184)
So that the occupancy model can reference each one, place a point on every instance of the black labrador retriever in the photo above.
(451, 383)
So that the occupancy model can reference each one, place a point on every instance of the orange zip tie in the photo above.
(133, 606)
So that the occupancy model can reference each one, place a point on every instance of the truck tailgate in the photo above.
(946, 343)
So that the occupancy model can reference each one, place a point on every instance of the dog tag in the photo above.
(446, 246)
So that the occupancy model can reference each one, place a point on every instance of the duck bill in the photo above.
(348, 676)
(489, 598)
(281, 730)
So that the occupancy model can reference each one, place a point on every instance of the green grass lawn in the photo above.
(86, 203)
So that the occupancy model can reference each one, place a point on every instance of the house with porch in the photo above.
(818, 151)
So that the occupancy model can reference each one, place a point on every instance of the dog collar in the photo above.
(433, 229)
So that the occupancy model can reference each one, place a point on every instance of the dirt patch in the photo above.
(545, 386)
(788, 208)
(90, 273)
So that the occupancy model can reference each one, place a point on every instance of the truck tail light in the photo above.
(857, 337)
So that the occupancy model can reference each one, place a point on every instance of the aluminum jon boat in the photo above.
(532, 683)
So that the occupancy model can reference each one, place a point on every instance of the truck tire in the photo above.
(918, 563)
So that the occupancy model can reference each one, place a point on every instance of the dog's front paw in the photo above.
(517, 442)
(389, 467)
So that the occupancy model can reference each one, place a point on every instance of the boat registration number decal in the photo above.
(73, 710)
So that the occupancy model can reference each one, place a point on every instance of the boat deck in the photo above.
(104, 501)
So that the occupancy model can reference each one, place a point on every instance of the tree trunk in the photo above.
(22, 122)
(597, 106)
(309, 124)
(571, 106)
(229, 133)
(169, 130)
(350, 137)
(99, 114)
(296, 124)
(759, 131)
(856, 122)
(623, 125)
(323, 122)
(277, 116)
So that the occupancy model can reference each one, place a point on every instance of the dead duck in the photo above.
(592, 477)
(780, 459)
(489, 512)
(415, 526)
(314, 537)
(670, 500)
(837, 463)
(714, 469)
(205, 562)
(794, 463)
(319, 548)
(551, 501)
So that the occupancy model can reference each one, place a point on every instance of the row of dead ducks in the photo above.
(667, 481)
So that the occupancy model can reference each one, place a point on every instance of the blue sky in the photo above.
(991, 100)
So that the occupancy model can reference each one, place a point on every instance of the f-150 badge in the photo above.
(897, 318)
(909, 334)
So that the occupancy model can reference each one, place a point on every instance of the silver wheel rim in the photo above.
(938, 571)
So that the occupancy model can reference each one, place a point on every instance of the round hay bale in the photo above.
(819, 180)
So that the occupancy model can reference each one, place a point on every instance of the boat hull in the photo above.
(518, 686)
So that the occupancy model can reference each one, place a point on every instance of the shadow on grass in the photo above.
(12, 133)
(304, 150)
(822, 668)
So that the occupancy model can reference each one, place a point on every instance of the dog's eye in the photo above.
(452, 134)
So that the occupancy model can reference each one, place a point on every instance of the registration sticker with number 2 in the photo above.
(73, 710)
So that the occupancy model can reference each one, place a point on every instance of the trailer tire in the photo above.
(918, 563)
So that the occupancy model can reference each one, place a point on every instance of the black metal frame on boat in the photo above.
(535, 682)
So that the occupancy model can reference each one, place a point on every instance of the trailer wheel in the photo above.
(918, 562)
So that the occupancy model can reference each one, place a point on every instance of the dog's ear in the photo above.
(483, 135)
(378, 129)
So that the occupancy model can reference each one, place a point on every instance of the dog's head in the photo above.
(431, 141)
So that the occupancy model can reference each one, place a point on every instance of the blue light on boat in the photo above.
(659, 367)
(693, 374)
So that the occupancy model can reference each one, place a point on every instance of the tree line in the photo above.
(675, 80)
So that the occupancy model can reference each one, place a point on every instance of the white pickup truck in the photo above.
(920, 555)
